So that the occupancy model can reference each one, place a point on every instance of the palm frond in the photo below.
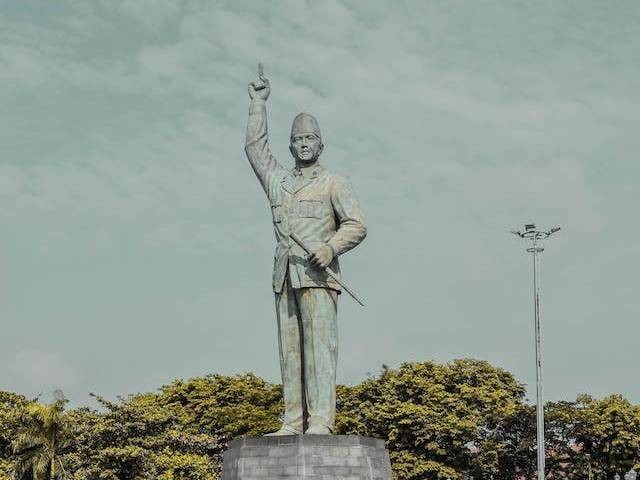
(24, 443)
(44, 435)
(42, 468)
(22, 466)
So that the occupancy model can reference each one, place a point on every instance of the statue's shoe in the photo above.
(285, 430)
(318, 430)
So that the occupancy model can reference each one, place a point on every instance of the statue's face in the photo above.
(306, 147)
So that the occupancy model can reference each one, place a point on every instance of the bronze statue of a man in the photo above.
(320, 208)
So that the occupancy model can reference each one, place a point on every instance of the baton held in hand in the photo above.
(330, 272)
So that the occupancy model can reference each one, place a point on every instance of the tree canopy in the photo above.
(440, 421)
(41, 435)
(457, 420)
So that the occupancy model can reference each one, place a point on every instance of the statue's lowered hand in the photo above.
(322, 257)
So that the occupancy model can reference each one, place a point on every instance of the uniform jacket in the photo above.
(321, 210)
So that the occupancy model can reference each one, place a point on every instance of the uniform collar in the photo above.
(315, 171)
(293, 181)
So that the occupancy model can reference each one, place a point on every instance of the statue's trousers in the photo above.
(308, 341)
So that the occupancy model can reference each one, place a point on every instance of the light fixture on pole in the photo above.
(535, 237)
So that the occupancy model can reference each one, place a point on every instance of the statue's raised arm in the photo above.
(264, 164)
(316, 218)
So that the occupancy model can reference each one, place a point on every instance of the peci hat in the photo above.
(305, 123)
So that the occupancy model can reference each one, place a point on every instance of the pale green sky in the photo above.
(136, 245)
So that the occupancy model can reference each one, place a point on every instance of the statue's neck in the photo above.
(306, 167)
(301, 164)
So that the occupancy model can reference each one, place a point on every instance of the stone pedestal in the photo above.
(311, 457)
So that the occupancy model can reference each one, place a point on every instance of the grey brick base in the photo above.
(310, 457)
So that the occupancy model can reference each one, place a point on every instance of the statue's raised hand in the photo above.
(260, 89)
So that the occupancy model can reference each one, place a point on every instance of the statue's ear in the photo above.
(292, 150)
(321, 148)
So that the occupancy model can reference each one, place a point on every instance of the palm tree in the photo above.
(44, 434)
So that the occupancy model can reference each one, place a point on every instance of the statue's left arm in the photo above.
(352, 228)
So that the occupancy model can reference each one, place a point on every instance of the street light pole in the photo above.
(535, 236)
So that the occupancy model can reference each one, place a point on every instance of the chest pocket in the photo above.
(309, 208)
(276, 213)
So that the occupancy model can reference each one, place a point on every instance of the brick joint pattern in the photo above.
(309, 457)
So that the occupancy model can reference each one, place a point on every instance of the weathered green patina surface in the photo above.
(311, 201)
(319, 206)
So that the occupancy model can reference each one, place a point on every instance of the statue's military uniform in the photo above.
(321, 210)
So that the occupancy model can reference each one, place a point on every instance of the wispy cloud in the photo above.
(122, 133)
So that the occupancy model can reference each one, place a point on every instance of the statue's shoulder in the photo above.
(334, 176)
(338, 178)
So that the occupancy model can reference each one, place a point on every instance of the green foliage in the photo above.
(183, 466)
(438, 420)
(10, 403)
(6, 467)
(510, 446)
(608, 431)
(563, 453)
(592, 437)
(43, 434)
(225, 406)
(178, 433)
(452, 421)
